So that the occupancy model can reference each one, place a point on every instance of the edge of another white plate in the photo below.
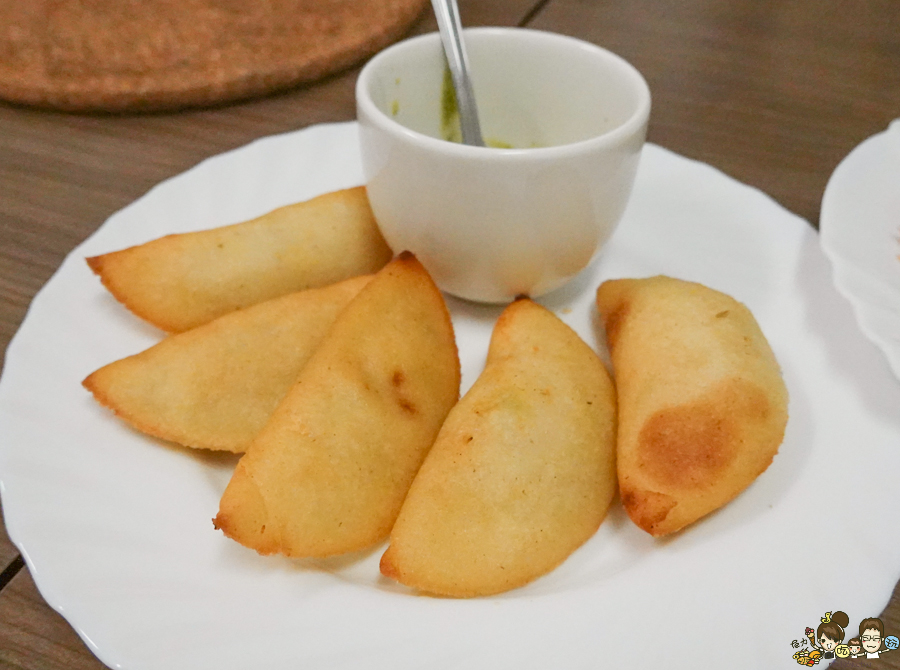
(860, 234)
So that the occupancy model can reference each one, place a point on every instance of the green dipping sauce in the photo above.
(450, 128)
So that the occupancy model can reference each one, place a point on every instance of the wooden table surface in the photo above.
(773, 93)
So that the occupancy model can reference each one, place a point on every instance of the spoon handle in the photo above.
(447, 14)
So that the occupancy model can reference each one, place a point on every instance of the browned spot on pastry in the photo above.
(397, 381)
(647, 509)
(386, 565)
(689, 445)
(96, 264)
(612, 322)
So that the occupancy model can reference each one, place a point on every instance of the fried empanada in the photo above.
(178, 282)
(702, 405)
(523, 470)
(328, 473)
(215, 387)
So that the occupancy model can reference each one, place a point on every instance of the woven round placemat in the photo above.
(129, 55)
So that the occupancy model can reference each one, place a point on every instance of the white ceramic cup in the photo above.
(492, 224)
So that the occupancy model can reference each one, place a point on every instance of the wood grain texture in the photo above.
(62, 175)
(773, 93)
(8, 551)
(34, 636)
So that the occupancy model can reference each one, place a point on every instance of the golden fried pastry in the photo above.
(523, 470)
(178, 282)
(328, 473)
(215, 387)
(702, 405)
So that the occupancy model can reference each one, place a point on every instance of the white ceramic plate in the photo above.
(116, 529)
(860, 232)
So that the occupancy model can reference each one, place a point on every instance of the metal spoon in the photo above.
(447, 14)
